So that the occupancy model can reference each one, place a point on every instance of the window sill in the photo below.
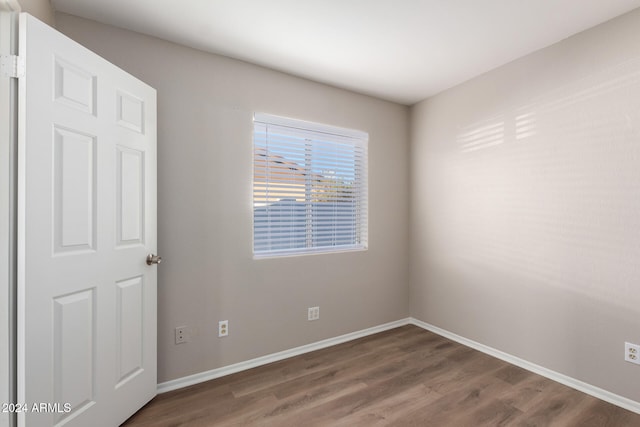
(319, 251)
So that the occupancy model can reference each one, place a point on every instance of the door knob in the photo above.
(153, 259)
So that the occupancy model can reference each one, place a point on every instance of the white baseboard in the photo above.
(589, 389)
(259, 361)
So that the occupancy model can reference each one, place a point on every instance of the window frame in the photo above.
(360, 142)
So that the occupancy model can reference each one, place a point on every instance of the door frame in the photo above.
(9, 10)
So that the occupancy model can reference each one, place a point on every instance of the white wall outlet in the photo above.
(632, 353)
(223, 328)
(181, 335)
(313, 313)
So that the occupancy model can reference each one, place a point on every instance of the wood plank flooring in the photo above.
(402, 377)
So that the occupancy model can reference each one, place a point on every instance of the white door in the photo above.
(87, 220)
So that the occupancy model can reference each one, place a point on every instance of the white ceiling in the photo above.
(399, 50)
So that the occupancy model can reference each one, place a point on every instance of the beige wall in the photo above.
(525, 207)
(205, 108)
(41, 9)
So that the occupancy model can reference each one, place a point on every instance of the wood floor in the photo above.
(402, 377)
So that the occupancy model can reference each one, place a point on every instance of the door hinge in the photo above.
(12, 66)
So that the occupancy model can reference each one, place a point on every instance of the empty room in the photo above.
(319, 213)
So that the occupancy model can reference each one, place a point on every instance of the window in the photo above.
(309, 187)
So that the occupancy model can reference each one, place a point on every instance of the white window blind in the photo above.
(309, 187)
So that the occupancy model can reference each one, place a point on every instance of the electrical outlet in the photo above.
(223, 328)
(632, 353)
(313, 313)
(181, 335)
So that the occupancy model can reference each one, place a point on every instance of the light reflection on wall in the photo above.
(482, 135)
(550, 188)
(525, 124)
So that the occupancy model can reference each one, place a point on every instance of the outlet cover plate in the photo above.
(223, 328)
(313, 313)
(632, 353)
(181, 335)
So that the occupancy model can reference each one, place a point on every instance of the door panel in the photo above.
(87, 220)
(74, 191)
(130, 318)
(130, 196)
(74, 346)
